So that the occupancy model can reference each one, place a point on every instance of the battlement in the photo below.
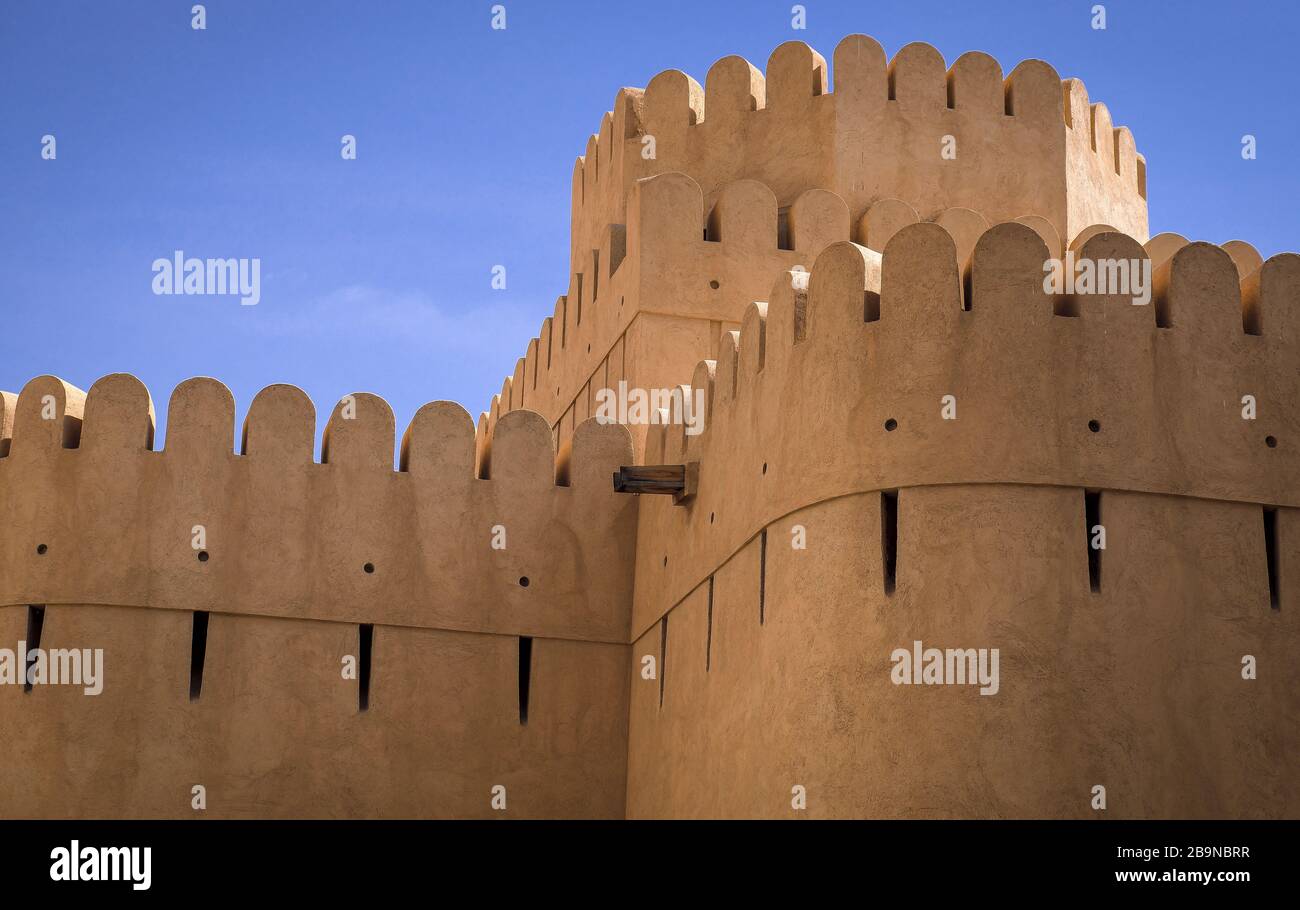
(793, 165)
(920, 447)
(686, 273)
(911, 128)
(1090, 392)
(483, 602)
(910, 435)
(716, 264)
(348, 539)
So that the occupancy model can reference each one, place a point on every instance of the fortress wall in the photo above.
(826, 397)
(1162, 384)
(696, 270)
(786, 162)
(1137, 687)
(98, 529)
(285, 536)
(1025, 142)
(1106, 178)
(669, 271)
(277, 731)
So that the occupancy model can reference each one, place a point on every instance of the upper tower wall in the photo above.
(911, 128)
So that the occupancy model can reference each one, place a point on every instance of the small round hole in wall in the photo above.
(368, 568)
(1270, 441)
(523, 581)
(1094, 426)
(41, 549)
(714, 285)
(891, 425)
(203, 555)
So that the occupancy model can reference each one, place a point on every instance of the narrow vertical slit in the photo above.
(889, 537)
(1092, 517)
(525, 675)
(783, 239)
(35, 622)
(663, 656)
(762, 578)
(198, 652)
(1270, 553)
(708, 635)
(363, 670)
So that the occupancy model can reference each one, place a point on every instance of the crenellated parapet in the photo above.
(909, 433)
(506, 542)
(784, 162)
(687, 274)
(304, 639)
(920, 368)
(931, 448)
(684, 276)
(911, 128)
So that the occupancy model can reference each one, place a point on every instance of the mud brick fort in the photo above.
(886, 380)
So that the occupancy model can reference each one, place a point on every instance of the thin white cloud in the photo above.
(411, 317)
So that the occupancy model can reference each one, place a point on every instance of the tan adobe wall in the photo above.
(669, 297)
(1026, 143)
(794, 166)
(808, 378)
(686, 275)
(1136, 687)
(808, 260)
(97, 528)
(277, 734)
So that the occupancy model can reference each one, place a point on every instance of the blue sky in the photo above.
(376, 272)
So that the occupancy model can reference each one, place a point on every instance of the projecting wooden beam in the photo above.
(676, 480)
(651, 478)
